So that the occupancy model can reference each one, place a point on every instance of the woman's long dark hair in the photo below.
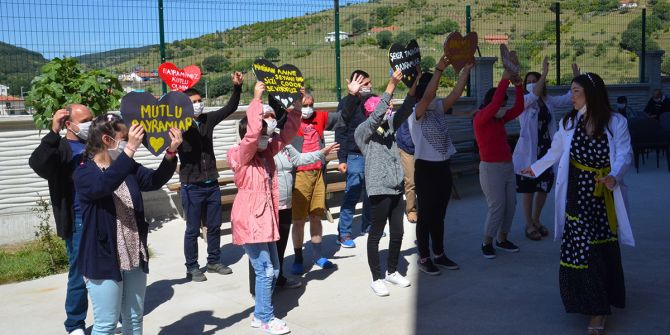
(599, 111)
(102, 125)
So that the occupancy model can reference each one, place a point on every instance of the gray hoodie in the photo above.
(286, 160)
(376, 139)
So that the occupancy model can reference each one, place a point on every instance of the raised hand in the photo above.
(545, 66)
(135, 136)
(443, 63)
(176, 139)
(354, 86)
(396, 77)
(576, 71)
(59, 119)
(258, 90)
(237, 78)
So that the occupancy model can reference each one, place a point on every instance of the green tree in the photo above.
(216, 63)
(384, 39)
(358, 26)
(271, 53)
(662, 11)
(64, 81)
(243, 65)
(403, 38)
(427, 63)
(220, 86)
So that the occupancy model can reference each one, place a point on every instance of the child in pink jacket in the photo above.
(254, 215)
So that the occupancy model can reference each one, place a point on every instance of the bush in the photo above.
(243, 65)
(216, 63)
(384, 39)
(271, 53)
(358, 26)
(600, 50)
(665, 67)
(220, 86)
(302, 52)
(427, 63)
(403, 38)
(64, 81)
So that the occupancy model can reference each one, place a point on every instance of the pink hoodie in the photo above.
(254, 215)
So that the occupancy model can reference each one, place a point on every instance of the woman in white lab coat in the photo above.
(538, 126)
(593, 152)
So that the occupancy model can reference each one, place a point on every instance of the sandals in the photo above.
(533, 234)
(597, 330)
(542, 229)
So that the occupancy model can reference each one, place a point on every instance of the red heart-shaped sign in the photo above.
(178, 79)
(460, 49)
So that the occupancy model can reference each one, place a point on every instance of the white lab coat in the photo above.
(620, 161)
(525, 151)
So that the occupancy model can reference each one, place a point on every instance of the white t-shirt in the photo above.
(430, 134)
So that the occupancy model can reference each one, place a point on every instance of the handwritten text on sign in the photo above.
(174, 110)
(406, 58)
(282, 83)
(179, 79)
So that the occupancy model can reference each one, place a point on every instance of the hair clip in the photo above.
(591, 79)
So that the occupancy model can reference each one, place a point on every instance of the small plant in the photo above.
(49, 242)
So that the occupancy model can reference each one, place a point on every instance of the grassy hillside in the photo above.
(18, 66)
(591, 32)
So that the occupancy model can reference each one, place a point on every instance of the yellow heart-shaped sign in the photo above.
(156, 143)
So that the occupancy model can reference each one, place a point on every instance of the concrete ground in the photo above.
(513, 294)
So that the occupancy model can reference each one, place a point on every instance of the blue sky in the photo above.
(70, 28)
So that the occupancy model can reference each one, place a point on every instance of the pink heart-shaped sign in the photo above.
(460, 49)
(179, 79)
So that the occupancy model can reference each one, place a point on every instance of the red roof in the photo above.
(146, 74)
(496, 39)
(380, 29)
(9, 98)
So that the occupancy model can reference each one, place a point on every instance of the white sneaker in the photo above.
(379, 288)
(396, 279)
(255, 323)
(77, 331)
(275, 327)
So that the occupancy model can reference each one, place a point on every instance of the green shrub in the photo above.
(216, 63)
(384, 39)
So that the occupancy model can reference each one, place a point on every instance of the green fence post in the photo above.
(643, 49)
(558, 43)
(162, 40)
(338, 74)
(467, 30)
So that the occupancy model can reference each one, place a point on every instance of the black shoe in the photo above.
(219, 268)
(507, 246)
(488, 251)
(195, 275)
(429, 268)
(445, 262)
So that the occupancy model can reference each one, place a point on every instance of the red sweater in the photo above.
(490, 132)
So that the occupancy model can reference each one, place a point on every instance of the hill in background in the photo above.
(17, 74)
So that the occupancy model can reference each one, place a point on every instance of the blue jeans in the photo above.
(112, 298)
(201, 203)
(355, 186)
(76, 301)
(264, 260)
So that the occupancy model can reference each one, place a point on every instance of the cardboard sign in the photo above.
(509, 59)
(179, 79)
(282, 83)
(460, 50)
(173, 110)
(406, 58)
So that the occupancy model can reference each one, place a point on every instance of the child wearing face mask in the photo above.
(255, 212)
(113, 253)
(496, 172)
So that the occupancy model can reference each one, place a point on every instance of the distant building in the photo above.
(330, 37)
(496, 39)
(138, 76)
(10, 105)
(626, 4)
(4, 90)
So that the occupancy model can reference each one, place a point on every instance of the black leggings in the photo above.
(384, 207)
(284, 233)
(432, 181)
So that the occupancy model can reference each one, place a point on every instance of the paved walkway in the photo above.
(513, 294)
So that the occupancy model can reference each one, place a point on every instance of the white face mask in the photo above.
(198, 108)
(530, 87)
(114, 153)
(365, 91)
(263, 143)
(272, 125)
(83, 130)
(307, 112)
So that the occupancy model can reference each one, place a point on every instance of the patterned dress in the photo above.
(544, 182)
(590, 275)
